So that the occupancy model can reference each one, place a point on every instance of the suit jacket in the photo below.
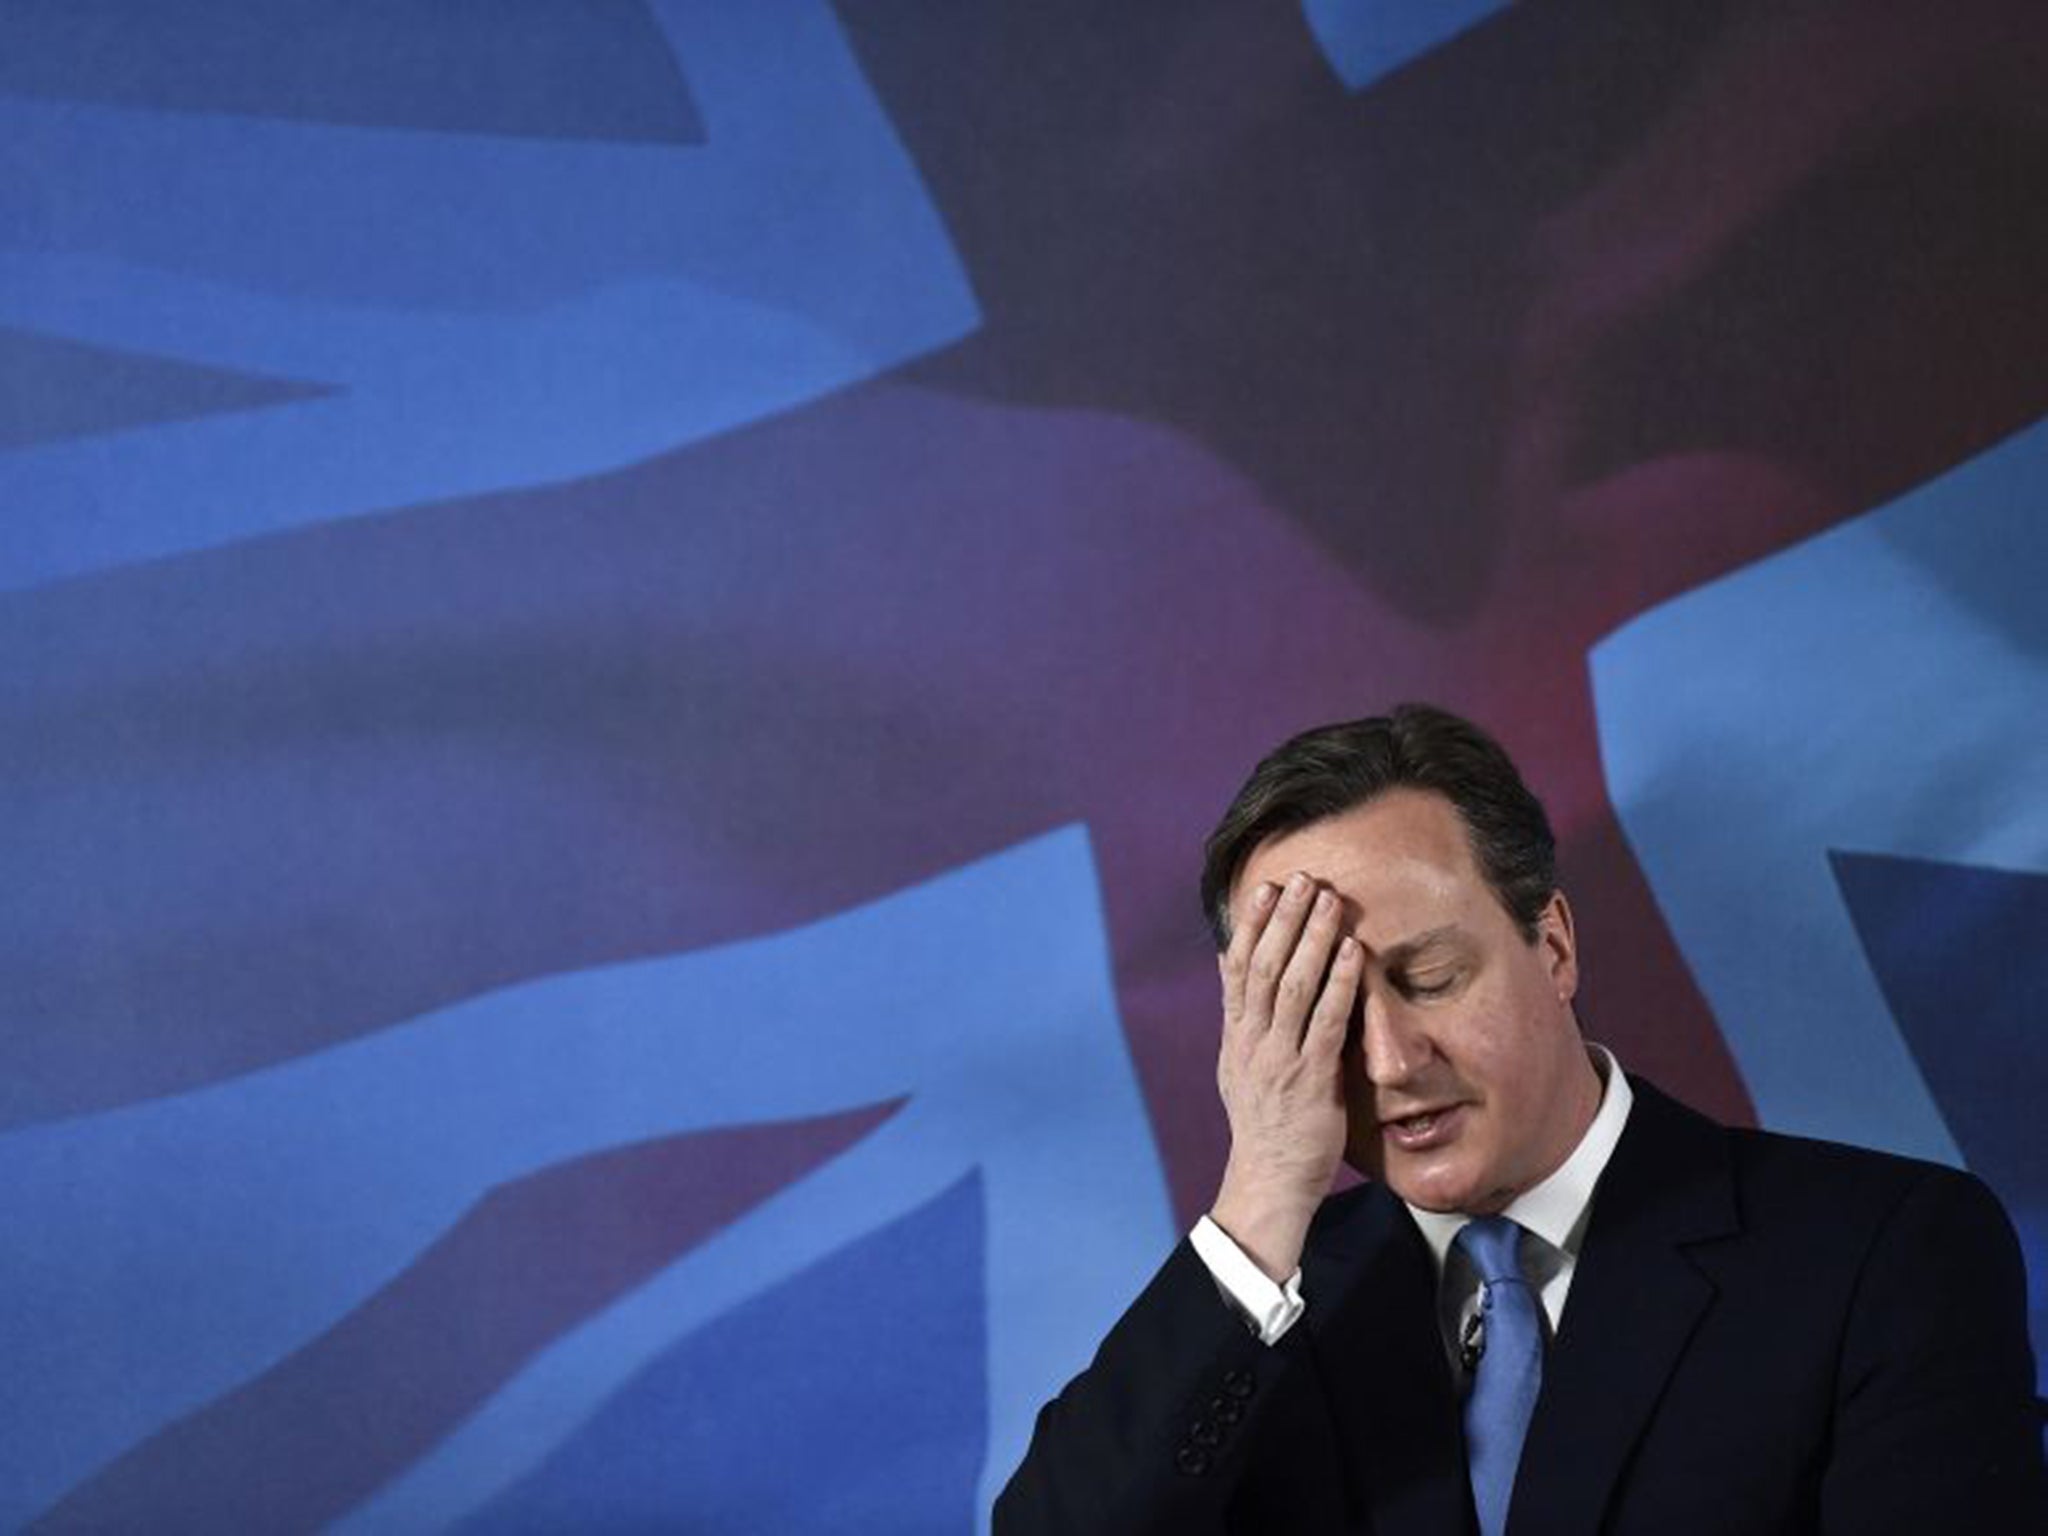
(1764, 1334)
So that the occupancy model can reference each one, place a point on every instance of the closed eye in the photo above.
(1435, 984)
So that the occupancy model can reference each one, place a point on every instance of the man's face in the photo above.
(1464, 1075)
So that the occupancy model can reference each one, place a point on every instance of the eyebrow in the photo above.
(1408, 949)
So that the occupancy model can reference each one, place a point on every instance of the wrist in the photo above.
(1268, 1222)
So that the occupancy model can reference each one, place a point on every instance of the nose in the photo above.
(1396, 1045)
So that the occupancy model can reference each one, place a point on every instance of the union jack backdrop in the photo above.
(622, 619)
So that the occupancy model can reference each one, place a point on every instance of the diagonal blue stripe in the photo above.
(1879, 687)
(567, 69)
(1367, 40)
(491, 312)
(851, 1397)
(178, 1248)
(52, 389)
(1962, 955)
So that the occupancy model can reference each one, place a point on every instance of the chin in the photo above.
(1429, 1198)
(1436, 1189)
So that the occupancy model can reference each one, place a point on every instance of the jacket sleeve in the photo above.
(1937, 1427)
(1151, 1437)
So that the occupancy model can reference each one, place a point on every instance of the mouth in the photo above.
(1424, 1129)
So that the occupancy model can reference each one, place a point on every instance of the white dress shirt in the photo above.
(1554, 1212)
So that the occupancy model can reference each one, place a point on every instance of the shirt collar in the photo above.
(1555, 1210)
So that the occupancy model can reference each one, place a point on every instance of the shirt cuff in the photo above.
(1270, 1309)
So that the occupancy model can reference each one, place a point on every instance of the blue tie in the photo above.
(1510, 1369)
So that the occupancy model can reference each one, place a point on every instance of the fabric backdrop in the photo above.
(622, 618)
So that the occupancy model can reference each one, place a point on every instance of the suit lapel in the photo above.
(1371, 1289)
(1635, 1301)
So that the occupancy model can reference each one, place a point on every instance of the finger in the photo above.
(1331, 1022)
(1302, 981)
(1274, 949)
(1235, 962)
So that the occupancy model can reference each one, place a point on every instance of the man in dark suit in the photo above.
(1763, 1334)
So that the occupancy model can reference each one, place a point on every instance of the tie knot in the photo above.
(1493, 1244)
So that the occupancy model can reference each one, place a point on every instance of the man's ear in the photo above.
(1560, 945)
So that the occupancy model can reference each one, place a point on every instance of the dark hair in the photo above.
(1334, 768)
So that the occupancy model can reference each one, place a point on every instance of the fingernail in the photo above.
(1324, 902)
(1264, 895)
(1297, 883)
(1348, 950)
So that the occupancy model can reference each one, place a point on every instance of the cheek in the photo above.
(1499, 1038)
(1478, 1040)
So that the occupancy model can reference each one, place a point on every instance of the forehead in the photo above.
(1401, 861)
